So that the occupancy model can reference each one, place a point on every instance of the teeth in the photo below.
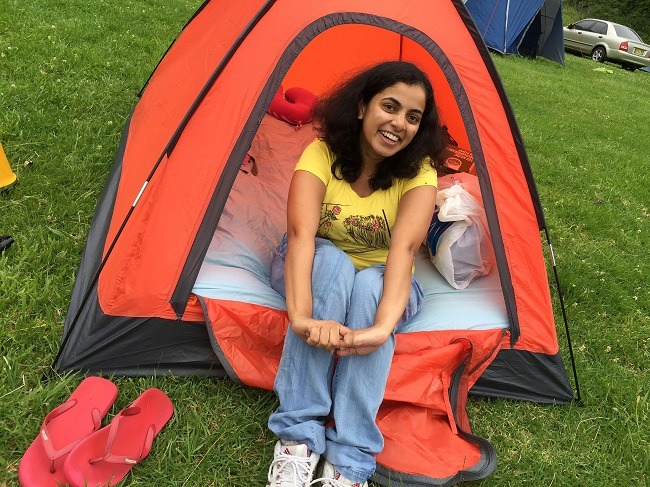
(389, 136)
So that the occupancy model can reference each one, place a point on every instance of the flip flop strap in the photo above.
(46, 436)
(112, 435)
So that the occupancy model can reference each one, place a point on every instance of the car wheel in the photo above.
(598, 54)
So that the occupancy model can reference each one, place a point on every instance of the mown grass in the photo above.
(69, 74)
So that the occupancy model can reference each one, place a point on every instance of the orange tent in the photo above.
(133, 309)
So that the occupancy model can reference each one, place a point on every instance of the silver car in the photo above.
(607, 41)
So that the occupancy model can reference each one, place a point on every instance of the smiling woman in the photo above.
(404, 102)
(360, 202)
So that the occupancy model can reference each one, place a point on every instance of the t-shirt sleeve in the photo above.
(316, 159)
(428, 176)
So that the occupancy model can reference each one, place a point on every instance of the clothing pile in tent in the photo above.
(174, 274)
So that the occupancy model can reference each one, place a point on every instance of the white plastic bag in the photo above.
(469, 182)
(464, 250)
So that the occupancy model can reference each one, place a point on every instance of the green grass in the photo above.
(69, 75)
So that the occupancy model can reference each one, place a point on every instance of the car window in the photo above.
(599, 28)
(584, 24)
(626, 32)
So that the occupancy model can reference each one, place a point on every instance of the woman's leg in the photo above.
(303, 380)
(360, 381)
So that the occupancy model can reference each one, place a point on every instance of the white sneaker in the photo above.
(292, 466)
(330, 477)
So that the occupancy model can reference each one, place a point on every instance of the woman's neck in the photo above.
(367, 173)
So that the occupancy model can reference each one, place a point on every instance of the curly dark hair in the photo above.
(337, 124)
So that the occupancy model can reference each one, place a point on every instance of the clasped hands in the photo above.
(337, 338)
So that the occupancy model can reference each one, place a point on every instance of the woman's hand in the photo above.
(327, 334)
(364, 341)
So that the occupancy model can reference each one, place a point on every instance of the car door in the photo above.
(597, 34)
(577, 38)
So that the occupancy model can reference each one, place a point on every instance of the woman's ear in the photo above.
(361, 111)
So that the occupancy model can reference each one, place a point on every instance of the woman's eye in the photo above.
(389, 107)
(414, 119)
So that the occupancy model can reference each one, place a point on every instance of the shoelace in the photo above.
(291, 469)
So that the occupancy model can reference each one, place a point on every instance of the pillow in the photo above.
(293, 106)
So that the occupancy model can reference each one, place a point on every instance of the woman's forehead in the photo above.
(412, 97)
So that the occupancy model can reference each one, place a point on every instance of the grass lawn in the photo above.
(69, 75)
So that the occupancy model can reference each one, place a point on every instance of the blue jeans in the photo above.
(311, 387)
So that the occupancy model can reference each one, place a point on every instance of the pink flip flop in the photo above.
(105, 457)
(63, 428)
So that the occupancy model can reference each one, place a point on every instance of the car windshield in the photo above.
(626, 33)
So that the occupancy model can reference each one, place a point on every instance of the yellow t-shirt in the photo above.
(358, 226)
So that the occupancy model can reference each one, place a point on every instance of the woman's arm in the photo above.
(306, 195)
(413, 219)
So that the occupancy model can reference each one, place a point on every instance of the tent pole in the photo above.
(566, 323)
(165, 154)
(505, 31)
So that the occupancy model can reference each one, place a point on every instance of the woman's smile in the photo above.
(389, 136)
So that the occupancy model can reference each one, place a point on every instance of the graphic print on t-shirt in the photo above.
(365, 232)
(369, 231)
(328, 213)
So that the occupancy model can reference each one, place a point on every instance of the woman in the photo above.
(359, 206)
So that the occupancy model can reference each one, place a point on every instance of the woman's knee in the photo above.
(332, 262)
(366, 293)
(369, 283)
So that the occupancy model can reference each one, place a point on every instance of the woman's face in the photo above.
(390, 120)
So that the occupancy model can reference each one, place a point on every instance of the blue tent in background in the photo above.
(526, 27)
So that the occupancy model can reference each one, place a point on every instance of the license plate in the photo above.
(638, 52)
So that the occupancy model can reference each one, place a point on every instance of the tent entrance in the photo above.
(316, 60)
(237, 264)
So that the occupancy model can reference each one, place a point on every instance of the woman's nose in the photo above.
(398, 120)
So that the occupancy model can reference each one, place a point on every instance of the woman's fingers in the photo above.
(344, 352)
(334, 337)
(362, 342)
(348, 339)
(326, 334)
(313, 335)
